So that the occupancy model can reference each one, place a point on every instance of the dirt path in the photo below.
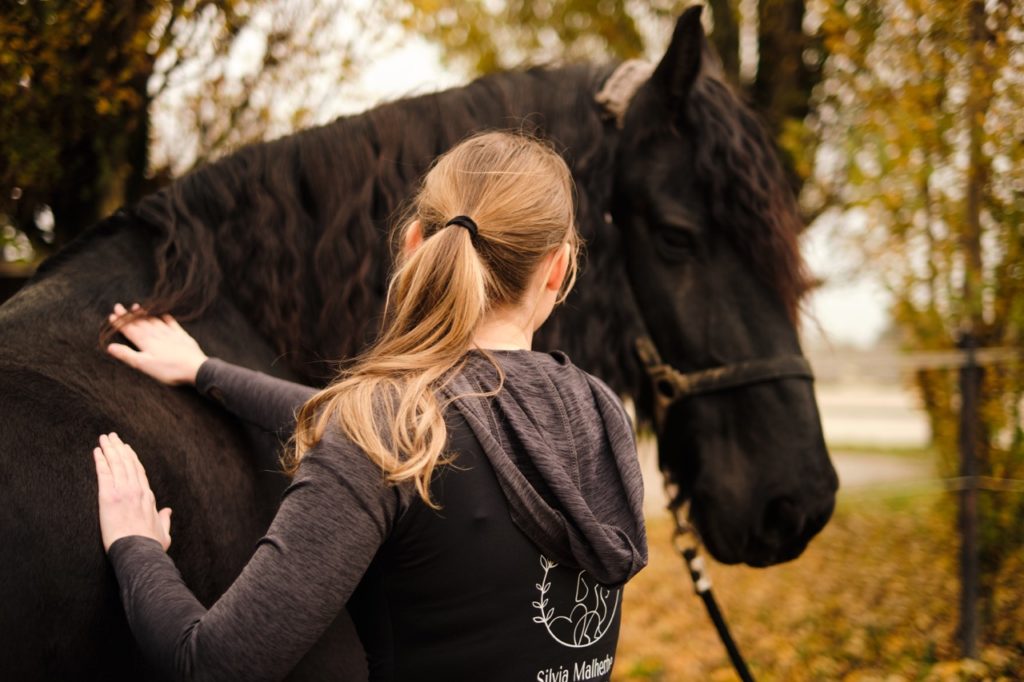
(857, 471)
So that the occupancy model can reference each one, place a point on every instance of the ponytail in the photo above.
(488, 211)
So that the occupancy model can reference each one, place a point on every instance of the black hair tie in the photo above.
(466, 222)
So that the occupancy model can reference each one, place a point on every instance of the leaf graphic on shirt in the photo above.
(582, 590)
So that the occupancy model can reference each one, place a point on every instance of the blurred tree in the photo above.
(73, 80)
(485, 37)
(725, 36)
(79, 79)
(922, 168)
(489, 36)
(789, 66)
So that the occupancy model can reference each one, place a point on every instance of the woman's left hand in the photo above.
(127, 505)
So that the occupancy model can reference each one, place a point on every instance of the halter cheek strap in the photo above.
(671, 385)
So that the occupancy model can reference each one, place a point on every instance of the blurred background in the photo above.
(900, 125)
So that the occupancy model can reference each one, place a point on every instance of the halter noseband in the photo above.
(670, 385)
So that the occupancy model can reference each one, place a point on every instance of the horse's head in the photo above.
(709, 226)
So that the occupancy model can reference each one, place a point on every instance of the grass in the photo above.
(873, 598)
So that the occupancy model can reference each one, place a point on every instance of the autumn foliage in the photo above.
(874, 597)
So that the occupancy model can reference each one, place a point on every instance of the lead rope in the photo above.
(687, 543)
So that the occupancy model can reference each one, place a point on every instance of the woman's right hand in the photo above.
(165, 352)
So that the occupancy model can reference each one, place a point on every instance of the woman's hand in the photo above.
(127, 505)
(165, 352)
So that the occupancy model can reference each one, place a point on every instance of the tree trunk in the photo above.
(726, 36)
(979, 94)
(782, 89)
(105, 157)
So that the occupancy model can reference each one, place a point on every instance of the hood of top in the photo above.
(564, 451)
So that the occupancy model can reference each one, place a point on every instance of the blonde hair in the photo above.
(519, 192)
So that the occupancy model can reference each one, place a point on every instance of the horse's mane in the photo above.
(749, 195)
(292, 230)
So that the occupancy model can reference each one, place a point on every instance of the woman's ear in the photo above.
(413, 238)
(559, 266)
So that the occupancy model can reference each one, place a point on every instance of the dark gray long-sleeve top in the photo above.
(541, 506)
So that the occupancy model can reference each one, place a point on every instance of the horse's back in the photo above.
(61, 615)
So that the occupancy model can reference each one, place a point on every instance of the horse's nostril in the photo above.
(782, 518)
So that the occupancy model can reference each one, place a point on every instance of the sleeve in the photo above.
(332, 520)
(260, 399)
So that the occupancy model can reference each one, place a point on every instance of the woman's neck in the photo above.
(503, 332)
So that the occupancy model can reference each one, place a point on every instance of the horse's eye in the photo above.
(676, 242)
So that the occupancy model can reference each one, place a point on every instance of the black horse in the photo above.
(276, 258)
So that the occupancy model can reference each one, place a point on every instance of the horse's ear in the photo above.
(678, 69)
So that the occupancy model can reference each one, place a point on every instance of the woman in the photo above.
(474, 503)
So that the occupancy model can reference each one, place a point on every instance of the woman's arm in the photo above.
(260, 399)
(170, 355)
(332, 520)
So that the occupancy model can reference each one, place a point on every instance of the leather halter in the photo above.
(671, 385)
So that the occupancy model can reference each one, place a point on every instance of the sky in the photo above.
(850, 309)
(846, 310)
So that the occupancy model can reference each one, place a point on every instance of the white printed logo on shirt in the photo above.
(585, 620)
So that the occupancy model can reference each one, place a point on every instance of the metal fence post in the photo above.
(970, 378)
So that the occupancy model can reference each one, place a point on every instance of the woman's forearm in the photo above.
(332, 520)
(260, 399)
